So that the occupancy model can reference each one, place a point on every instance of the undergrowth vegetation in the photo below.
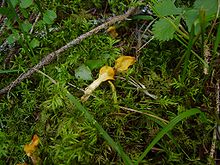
(162, 110)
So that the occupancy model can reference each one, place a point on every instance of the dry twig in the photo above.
(216, 130)
(50, 57)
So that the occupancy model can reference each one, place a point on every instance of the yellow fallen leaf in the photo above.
(105, 73)
(123, 62)
(112, 31)
(31, 148)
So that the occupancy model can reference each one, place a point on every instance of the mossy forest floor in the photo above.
(162, 84)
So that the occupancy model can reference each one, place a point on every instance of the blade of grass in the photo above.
(8, 71)
(105, 135)
(187, 53)
(167, 128)
(217, 40)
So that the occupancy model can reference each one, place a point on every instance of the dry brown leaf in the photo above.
(105, 73)
(123, 62)
(112, 31)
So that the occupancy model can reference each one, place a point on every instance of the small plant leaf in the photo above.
(166, 8)
(13, 37)
(34, 43)
(26, 26)
(123, 62)
(49, 16)
(83, 73)
(26, 3)
(164, 28)
(94, 64)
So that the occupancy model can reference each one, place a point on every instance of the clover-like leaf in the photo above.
(49, 16)
(26, 26)
(34, 43)
(105, 73)
(123, 62)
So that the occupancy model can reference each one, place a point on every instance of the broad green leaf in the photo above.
(26, 26)
(191, 17)
(26, 3)
(166, 8)
(165, 28)
(34, 43)
(83, 73)
(167, 128)
(49, 16)
(94, 64)
(210, 7)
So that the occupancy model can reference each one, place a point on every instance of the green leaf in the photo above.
(167, 128)
(26, 3)
(14, 3)
(164, 28)
(34, 43)
(49, 16)
(24, 12)
(166, 8)
(26, 26)
(83, 73)
(191, 18)
(210, 7)
(13, 37)
(95, 64)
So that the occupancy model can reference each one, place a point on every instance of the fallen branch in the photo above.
(50, 57)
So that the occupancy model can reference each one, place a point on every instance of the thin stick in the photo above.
(50, 57)
(32, 28)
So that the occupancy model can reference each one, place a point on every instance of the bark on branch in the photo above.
(50, 57)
